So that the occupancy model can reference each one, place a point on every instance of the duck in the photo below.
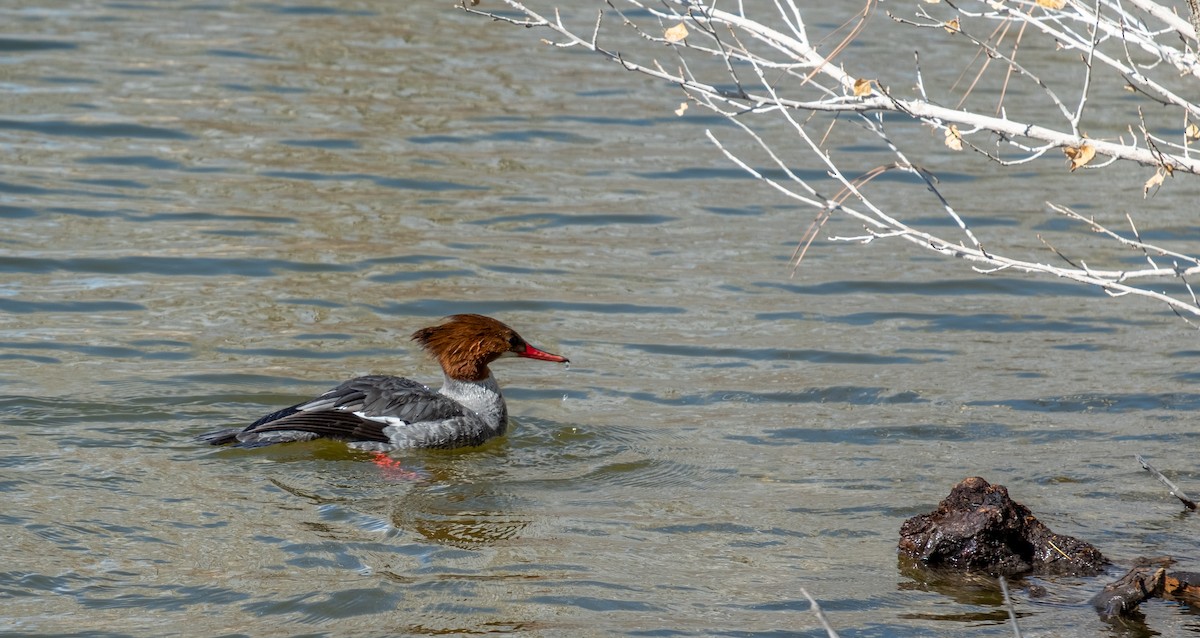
(382, 413)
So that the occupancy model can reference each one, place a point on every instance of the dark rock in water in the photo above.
(979, 528)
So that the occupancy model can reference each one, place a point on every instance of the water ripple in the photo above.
(551, 220)
(441, 307)
(86, 130)
(592, 603)
(645, 473)
(400, 183)
(872, 436)
(851, 395)
(977, 322)
(328, 144)
(288, 8)
(115, 352)
(1108, 402)
(939, 287)
(770, 354)
(196, 266)
(18, 45)
(24, 307)
(136, 161)
(528, 135)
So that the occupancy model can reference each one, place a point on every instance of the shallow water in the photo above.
(210, 211)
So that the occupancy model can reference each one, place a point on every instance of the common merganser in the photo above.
(384, 413)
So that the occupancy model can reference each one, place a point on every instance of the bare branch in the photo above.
(756, 76)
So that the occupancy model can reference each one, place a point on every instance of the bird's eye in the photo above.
(516, 343)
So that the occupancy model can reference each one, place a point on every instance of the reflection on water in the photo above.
(438, 520)
(213, 210)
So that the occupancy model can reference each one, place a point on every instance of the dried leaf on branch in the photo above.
(1079, 155)
(676, 33)
(1155, 181)
(953, 138)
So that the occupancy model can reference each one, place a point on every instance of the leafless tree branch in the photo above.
(753, 71)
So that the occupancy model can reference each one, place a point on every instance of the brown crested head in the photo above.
(465, 344)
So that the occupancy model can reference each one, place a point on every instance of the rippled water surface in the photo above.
(212, 210)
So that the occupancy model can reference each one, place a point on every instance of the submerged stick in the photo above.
(820, 614)
(1012, 613)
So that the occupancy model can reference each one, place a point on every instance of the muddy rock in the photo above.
(979, 528)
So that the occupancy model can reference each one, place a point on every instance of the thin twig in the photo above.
(1173, 488)
(816, 609)
(1008, 603)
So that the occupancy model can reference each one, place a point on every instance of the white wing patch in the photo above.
(387, 421)
(393, 429)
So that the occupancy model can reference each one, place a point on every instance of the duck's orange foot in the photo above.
(391, 469)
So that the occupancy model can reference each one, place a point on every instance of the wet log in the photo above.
(1183, 587)
(1143, 582)
(979, 528)
(1122, 597)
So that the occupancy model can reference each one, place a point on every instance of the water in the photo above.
(210, 211)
